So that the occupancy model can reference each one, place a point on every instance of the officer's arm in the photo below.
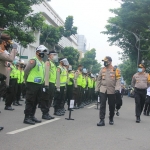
(99, 79)
(31, 64)
(133, 81)
(47, 74)
(58, 78)
(6, 57)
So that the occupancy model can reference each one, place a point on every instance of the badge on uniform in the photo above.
(37, 80)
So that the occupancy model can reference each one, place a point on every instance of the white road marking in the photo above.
(32, 126)
(91, 106)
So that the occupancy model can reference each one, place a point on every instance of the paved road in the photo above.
(80, 134)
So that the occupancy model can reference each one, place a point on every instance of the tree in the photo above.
(128, 69)
(131, 20)
(89, 61)
(72, 55)
(15, 15)
(69, 28)
(51, 35)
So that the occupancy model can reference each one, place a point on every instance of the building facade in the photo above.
(52, 18)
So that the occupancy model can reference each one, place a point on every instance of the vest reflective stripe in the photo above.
(53, 69)
(79, 80)
(20, 76)
(63, 76)
(71, 76)
(13, 73)
(37, 74)
(84, 82)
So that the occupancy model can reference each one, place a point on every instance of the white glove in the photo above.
(58, 89)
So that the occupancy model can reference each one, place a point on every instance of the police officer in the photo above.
(61, 80)
(108, 83)
(4, 57)
(34, 74)
(20, 81)
(84, 84)
(140, 82)
(50, 80)
(78, 87)
(70, 85)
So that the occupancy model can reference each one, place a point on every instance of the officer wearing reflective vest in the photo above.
(78, 88)
(70, 85)
(34, 74)
(84, 84)
(50, 80)
(61, 80)
(20, 81)
(5, 57)
(108, 83)
(140, 82)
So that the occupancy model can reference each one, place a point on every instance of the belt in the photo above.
(140, 89)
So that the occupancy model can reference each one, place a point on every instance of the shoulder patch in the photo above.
(31, 61)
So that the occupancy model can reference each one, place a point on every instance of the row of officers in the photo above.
(44, 82)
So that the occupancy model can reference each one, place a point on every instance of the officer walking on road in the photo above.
(140, 82)
(34, 74)
(108, 83)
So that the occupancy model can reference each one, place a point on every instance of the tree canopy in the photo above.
(17, 17)
(89, 61)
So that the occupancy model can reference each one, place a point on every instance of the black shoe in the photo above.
(117, 113)
(28, 120)
(101, 123)
(144, 113)
(19, 104)
(1, 128)
(46, 117)
(69, 109)
(111, 121)
(138, 120)
(61, 111)
(57, 113)
(9, 108)
(15, 104)
(35, 120)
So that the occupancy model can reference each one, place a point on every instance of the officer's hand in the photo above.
(117, 91)
(58, 89)
(14, 46)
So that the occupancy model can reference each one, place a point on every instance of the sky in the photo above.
(90, 16)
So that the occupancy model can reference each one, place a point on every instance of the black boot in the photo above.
(56, 112)
(46, 116)
(28, 120)
(117, 113)
(138, 119)
(101, 123)
(35, 120)
(111, 121)
(18, 103)
(1, 128)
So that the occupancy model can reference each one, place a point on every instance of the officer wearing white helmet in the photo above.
(34, 74)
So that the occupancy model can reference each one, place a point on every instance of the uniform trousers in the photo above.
(147, 105)
(140, 97)
(47, 97)
(11, 92)
(118, 101)
(111, 103)
(2, 88)
(33, 95)
(59, 98)
(69, 94)
(19, 90)
(78, 95)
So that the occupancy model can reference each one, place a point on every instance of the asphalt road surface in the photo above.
(80, 134)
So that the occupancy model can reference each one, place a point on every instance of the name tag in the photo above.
(37, 80)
